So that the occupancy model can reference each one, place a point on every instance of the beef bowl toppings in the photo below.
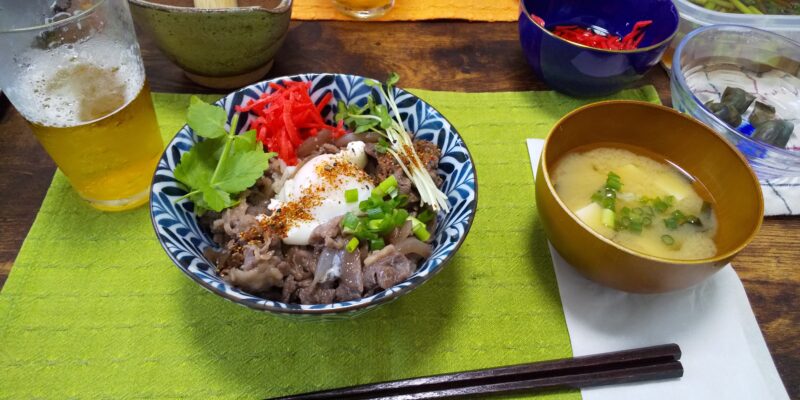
(308, 212)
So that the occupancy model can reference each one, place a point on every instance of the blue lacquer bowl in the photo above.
(176, 225)
(584, 71)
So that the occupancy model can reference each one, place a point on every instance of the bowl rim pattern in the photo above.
(423, 273)
(717, 257)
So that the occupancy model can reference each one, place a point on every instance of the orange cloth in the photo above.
(414, 10)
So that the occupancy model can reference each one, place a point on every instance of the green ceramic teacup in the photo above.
(220, 48)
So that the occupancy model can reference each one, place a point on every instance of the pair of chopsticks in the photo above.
(644, 364)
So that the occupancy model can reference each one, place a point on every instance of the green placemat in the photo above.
(94, 309)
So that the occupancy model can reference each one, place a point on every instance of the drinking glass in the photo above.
(364, 9)
(73, 69)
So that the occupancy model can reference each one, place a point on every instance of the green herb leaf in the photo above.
(381, 111)
(341, 111)
(241, 170)
(200, 205)
(246, 141)
(197, 165)
(217, 199)
(217, 169)
(205, 119)
(363, 128)
(382, 146)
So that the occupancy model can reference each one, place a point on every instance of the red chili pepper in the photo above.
(287, 116)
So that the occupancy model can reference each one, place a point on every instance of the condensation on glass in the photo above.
(73, 69)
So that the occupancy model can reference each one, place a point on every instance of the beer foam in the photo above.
(78, 83)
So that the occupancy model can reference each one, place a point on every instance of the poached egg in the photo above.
(318, 187)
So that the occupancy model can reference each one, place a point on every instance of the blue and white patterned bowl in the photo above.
(176, 226)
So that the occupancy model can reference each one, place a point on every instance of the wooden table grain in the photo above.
(437, 55)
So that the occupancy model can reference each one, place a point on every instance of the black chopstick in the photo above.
(3, 104)
(649, 363)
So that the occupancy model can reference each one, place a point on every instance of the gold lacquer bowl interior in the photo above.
(687, 143)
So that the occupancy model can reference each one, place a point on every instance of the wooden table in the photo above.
(457, 56)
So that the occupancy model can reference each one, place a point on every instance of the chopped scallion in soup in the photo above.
(638, 202)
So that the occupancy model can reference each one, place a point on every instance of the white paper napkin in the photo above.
(781, 196)
(724, 353)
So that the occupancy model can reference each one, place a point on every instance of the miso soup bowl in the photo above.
(687, 143)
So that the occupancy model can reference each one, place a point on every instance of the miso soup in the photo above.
(645, 205)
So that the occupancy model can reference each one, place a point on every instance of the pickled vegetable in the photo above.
(761, 113)
(726, 112)
(775, 132)
(738, 98)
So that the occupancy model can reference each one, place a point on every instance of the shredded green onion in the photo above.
(426, 215)
(375, 213)
(608, 218)
(419, 229)
(384, 187)
(678, 218)
(399, 216)
(350, 223)
(351, 195)
(374, 224)
(607, 195)
(377, 217)
(667, 240)
(376, 244)
(352, 245)
(613, 181)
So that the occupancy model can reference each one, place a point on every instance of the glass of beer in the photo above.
(364, 9)
(73, 69)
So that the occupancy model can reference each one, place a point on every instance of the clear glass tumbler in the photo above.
(364, 9)
(73, 69)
